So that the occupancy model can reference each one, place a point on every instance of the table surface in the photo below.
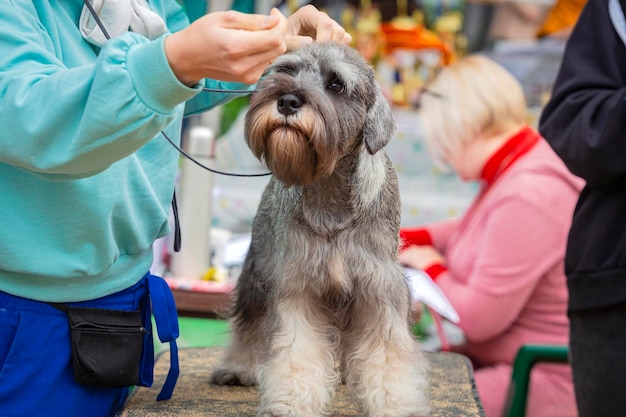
(452, 391)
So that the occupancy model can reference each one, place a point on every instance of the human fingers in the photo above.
(420, 257)
(428, 256)
(246, 67)
(295, 42)
(309, 21)
(254, 66)
(260, 46)
(246, 21)
(327, 30)
(407, 258)
(257, 49)
(249, 42)
(215, 47)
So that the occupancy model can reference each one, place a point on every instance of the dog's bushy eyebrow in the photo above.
(348, 73)
(288, 59)
(294, 63)
(332, 62)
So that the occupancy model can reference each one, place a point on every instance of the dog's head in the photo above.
(313, 107)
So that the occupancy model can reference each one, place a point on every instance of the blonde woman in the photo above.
(501, 263)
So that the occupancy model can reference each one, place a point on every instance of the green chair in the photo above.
(527, 357)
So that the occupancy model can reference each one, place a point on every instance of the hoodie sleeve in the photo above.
(585, 119)
(69, 112)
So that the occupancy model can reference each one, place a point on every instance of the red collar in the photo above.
(520, 143)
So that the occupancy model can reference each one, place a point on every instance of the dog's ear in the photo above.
(379, 124)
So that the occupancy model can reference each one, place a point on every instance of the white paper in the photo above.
(236, 250)
(423, 289)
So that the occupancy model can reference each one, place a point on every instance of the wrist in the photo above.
(435, 270)
(181, 66)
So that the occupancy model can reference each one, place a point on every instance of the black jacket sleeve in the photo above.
(585, 120)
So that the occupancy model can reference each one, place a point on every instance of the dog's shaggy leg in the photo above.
(249, 332)
(299, 380)
(240, 363)
(386, 369)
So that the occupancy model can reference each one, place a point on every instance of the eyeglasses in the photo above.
(417, 102)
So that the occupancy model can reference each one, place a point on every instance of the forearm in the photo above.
(74, 122)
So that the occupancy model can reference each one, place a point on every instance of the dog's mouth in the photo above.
(290, 156)
(291, 146)
(287, 128)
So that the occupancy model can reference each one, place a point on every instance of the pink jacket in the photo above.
(505, 272)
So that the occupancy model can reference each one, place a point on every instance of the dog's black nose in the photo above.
(289, 104)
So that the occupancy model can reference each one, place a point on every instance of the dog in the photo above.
(321, 298)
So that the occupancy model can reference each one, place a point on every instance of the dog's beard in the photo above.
(296, 148)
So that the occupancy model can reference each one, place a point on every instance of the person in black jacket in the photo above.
(585, 123)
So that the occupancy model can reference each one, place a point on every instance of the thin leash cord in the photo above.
(212, 90)
(97, 18)
(177, 233)
(201, 165)
(219, 90)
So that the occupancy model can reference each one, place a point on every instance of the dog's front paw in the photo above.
(278, 411)
(228, 377)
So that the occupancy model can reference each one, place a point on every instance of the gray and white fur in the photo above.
(321, 298)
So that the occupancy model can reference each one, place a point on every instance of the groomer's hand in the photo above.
(227, 46)
(308, 24)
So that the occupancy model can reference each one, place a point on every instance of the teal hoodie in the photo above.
(86, 178)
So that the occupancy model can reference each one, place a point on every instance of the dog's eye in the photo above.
(336, 85)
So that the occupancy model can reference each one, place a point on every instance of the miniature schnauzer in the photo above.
(322, 298)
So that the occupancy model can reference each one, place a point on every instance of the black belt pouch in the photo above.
(106, 345)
